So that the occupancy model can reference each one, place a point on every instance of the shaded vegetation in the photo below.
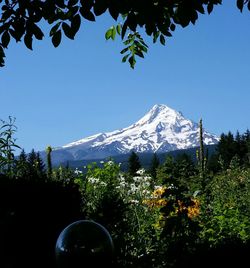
(175, 214)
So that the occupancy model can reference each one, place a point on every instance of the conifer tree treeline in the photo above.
(133, 163)
(231, 146)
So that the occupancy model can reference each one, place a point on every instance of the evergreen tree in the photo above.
(155, 162)
(185, 167)
(226, 148)
(40, 166)
(180, 171)
(133, 163)
(247, 135)
(213, 163)
(36, 167)
(32, 158)
(166, 171)
(240, 147)
(32, 164)
(22, 156)
(22, 166)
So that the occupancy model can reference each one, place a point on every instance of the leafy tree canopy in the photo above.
(19, 20)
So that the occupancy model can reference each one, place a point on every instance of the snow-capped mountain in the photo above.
(162, 129)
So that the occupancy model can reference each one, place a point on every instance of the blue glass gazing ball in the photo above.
(84, 243)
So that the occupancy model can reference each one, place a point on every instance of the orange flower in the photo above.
(193, 210)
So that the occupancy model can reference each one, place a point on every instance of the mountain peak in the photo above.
(158, 108)
(159, 112)
(161, 129)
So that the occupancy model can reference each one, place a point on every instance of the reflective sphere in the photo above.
(84, 244)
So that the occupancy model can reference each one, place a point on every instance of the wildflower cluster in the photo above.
(156, 200)
(193, 210)
(135, 189)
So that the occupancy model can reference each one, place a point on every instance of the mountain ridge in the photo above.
(161, 129)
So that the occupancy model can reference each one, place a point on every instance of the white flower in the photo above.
(77, 172)
(102, 183)
(134, 201)
(121, 177)
(122, 184)
(146, 183)
(93, 180)
(136, 179)
(140, 171)
(147, 178)
(145, 192)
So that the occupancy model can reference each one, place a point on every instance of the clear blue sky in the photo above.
(82, 88)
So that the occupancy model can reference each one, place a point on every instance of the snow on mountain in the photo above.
(162, 129)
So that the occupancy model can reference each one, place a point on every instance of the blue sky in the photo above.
(82, 88)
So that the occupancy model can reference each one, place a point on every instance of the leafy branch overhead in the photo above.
(20, 20)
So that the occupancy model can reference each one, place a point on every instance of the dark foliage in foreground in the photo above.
(32, 215)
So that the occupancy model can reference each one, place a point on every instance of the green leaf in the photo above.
(132, 21)
(2, 56)
(37, 32)
(144, 44)
(113, 33)
(162, 40)
(124, 59)
(240, 4)
(100, 7)
(56, 38)
(67, 30)
(194, 17)
(5, 39)
(1, 51)
(124, 29)
(3, 28)
(72, 12)
(76, 23)
(114, 12)
(108, 34)
(124, 50)
(128, 41)
(87, 14)
(54, 29)
(119, 29)
(172, 27)
(156, 35)
(132, 62)
(210, 7)
(28, 41)
(143, 48)
(139, 53)
(168, 34)
(199, 7)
